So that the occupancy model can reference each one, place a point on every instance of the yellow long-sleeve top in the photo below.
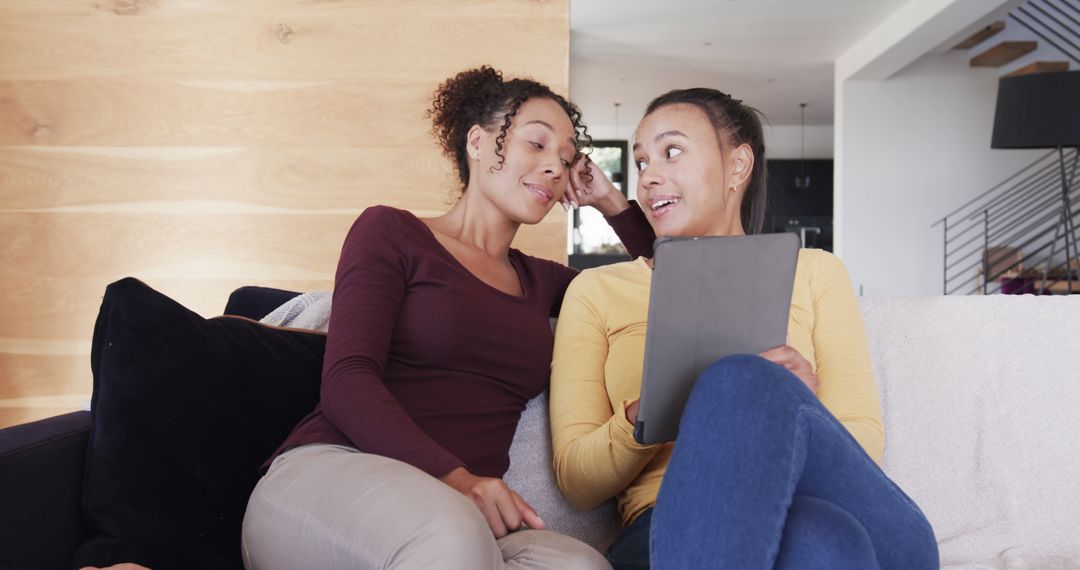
(596, 374)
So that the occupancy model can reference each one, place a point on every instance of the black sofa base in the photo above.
(42, 465)
(41, 472)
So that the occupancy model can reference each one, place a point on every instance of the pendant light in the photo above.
(802, 180)
(617, 105)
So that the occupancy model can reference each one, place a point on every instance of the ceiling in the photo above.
(773, 54)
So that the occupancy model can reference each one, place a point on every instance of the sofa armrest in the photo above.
(41, 472)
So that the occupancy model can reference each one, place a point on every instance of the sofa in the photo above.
(981, 402)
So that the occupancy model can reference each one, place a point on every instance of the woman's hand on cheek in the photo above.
(794, 362)
(589, 186)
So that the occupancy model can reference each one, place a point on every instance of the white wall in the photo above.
(783, 141)
(914, 147)
(919, 26)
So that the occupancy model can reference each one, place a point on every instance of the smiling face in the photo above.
(685, 178)
(536, 156)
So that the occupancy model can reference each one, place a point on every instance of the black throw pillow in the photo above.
(184, 412)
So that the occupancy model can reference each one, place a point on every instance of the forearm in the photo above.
(633, 229)
(595, 465)
(613, 204)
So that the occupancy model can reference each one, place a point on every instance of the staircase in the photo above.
(1054, 24)
(1012, 237)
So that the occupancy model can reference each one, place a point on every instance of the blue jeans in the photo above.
(763, 476)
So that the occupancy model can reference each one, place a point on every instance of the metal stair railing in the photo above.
(1020, 216)
(1057, 22)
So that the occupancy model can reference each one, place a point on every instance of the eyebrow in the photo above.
(550, 128)
(662, 135)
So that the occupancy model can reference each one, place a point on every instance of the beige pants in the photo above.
(330, 506)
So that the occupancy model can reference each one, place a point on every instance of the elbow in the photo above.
(329, 393)
(583, 504)
(869, 433)
(581, 501)
(346, 388)
(875, 447)
(574, 486)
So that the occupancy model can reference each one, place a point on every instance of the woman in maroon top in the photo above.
(439, 335)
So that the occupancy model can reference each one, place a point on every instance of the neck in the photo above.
(729, 223)
(476, 222)
(730, 227)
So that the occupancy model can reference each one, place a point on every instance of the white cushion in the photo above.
(981, 402)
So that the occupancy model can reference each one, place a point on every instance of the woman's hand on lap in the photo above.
(504, 510)
(794, 362)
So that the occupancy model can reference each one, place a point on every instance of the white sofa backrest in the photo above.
(981, 402)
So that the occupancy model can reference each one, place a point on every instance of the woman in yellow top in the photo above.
(775, 465)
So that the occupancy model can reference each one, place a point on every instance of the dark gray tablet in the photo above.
(711, 297)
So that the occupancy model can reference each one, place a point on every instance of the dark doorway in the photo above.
(803, 209)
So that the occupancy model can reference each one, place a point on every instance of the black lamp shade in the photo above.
(1038, 110)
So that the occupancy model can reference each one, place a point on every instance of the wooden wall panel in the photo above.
(202, 145)
(108, 178)
(214, 114)
(281, 40)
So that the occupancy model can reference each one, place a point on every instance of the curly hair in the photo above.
(482, 97)
(736, 123)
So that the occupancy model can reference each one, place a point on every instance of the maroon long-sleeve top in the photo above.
(426, 363)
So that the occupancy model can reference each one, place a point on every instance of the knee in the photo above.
(819, 534)
(740, 377)
(741, 371)
(922, 548)
(453, 527)
(547, 549)
(736, 364)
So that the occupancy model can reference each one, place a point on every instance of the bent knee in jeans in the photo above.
(819, 534)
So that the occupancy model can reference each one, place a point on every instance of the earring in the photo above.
(733, 188)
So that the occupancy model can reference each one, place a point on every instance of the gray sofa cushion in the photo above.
(531, 474)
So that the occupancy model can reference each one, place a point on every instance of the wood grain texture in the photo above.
(44, 375)
(203, 145)
(97, 178)
(1003, 53)
(982, 35)
(159, 244)
(1040, 67)
(286, 41)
